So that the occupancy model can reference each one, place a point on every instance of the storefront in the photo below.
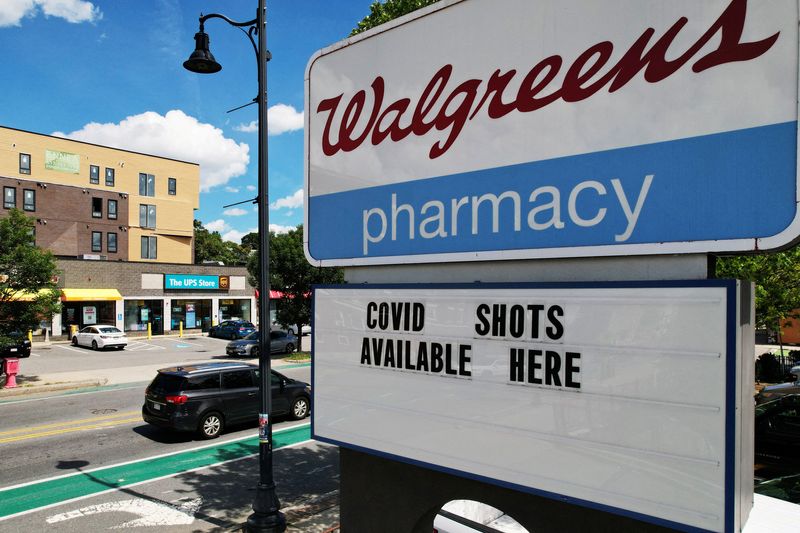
(140, 313)
(235, 309)
(87, 307)
(194, 313)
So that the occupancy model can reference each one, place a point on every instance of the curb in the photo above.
(21, 390)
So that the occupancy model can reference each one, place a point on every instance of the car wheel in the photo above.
(94, 345)
(210, 426)
(300, 408)
(211, 333)
(74, 341)
(255, 351)
(289, 347)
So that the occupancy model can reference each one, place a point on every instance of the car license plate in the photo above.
(13, 350)
(156, 406)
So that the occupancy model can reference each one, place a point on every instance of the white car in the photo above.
(99, 337)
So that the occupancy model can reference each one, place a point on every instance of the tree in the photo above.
(28, 291)
(291, 274)
(209, 246)
(382, 12)
(777, 279)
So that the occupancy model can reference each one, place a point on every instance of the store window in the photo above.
(83, 314)
(139, 313)
(9, 197)
(109, 177)
(112, 209)
(195, 314)
(28, 200)
(234, 310)
(94, 174)
(24, 163)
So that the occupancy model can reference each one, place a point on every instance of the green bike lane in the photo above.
(28, 497)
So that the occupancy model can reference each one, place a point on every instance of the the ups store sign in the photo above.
(196, 282)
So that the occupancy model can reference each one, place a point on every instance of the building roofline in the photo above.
(99, 145)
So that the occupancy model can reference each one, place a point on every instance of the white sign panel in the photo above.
(89, 314)
(555, 128)
(621, 397)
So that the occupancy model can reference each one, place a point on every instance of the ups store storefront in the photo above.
(134, 295)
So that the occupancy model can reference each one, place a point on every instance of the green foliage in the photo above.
(777, 279)
(209, 246)
(26, 271)
(291, 274)
(382, 12)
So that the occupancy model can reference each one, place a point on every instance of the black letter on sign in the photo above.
(557, 330)
(482, 328)
(365, 359)
(419, 317)
(437, 364)
(516, 365)
(572, 369)
(372, 307)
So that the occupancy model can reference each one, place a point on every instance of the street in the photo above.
(88, 447)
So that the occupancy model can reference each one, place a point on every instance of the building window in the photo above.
(147, 216)
(97, 241)
(109, 177)
(28, 200)
(172, 186)
(147, 185)
(149, 250)
(97, 208)
(24, 163)
(94, 174)
(112, 209)
(9, 197)
(111, 243)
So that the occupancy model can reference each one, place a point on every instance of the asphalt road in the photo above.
(43, 436)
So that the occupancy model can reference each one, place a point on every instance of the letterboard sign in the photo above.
(555, 128)
(620, 396)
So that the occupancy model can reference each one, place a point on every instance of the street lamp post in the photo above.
(266, 515)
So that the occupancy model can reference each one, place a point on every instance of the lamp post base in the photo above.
(266, 517)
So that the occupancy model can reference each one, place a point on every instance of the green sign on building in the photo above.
(62, 161)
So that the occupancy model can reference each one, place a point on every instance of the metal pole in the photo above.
(266, 507)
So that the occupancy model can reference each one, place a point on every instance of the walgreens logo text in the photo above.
(447, 108)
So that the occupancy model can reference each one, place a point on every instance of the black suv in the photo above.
(208, 396)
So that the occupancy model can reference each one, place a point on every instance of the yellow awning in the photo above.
(89, 295)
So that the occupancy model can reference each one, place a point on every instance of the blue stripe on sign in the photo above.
(732, 185)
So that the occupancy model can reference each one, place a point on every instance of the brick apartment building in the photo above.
(121, 226)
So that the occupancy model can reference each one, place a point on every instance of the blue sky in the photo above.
(110, 72)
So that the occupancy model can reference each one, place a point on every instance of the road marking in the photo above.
(151, 513)
(70, 348)
(33, 496)
(70, 426)
(138, 346)
(80, 392)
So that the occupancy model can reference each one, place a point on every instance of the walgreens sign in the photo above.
(553, 129)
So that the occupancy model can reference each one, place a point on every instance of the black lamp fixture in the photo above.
(266, 516)
(202, 60)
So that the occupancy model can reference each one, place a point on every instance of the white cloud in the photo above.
(216, 225)
(251, 188)
(281, 118)
(74, 11)
(277, 228)
(231, 189)
(292, 202)
(235, 212)
(236, 235)
(175, 135)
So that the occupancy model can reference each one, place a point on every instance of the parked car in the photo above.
(292, 328)
(207, 397)
(232, 329)
(777, 433)
(99, 337)
(17, 346)
(280, 342)
(773, 392)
